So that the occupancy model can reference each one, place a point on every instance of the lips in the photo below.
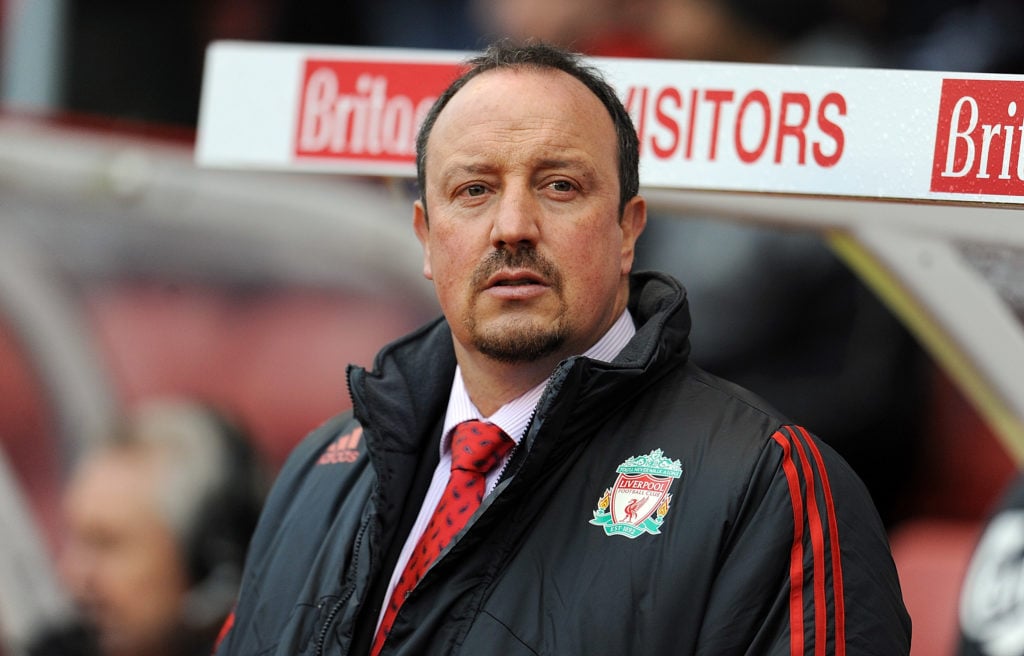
(516, 273)
(515, 279)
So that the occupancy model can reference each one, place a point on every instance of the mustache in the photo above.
(525, 257)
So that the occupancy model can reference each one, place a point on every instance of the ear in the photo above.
(634, 220)
(419, 224)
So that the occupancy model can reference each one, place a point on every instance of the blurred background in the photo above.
(127, 274)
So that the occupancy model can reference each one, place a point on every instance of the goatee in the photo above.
(519, 341)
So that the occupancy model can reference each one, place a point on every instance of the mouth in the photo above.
(515, 279)
(516, 286)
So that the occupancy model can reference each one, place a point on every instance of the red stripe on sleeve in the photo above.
(837, 563)
(817, 533)
(796, 558)
(224, 630)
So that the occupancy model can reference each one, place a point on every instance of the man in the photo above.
(634, 504)
(992, 598)
(158, 521)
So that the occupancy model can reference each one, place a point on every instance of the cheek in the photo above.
(593, 264)
(452, 260)
(152, 558)
(451, 289)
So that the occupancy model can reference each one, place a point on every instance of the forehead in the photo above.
(114, 479)
(524, 109)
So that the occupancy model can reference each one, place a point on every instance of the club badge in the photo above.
(640, 499)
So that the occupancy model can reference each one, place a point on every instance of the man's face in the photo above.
(524, 242)
(121, 560)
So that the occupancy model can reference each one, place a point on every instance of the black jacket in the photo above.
(758, 539)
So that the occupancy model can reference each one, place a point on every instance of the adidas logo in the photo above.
(345, 449)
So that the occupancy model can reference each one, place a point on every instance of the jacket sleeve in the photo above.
(269, 573)
(807, 568)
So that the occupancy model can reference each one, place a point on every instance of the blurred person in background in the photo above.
(158, 520)
(715, 30)
(992, 598)
(612, 28)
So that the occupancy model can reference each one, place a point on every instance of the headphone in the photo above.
(217, 537)
(212, 497)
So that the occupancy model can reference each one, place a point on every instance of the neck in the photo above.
(492, 384)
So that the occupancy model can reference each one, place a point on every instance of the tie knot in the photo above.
(478, 446)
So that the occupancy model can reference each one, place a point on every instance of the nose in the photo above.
(77, 568)
(516, 219)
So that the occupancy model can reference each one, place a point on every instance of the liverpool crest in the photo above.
(639, 500)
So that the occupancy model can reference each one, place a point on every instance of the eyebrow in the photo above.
(562, 163)
(580, 167)
(470, 168)
(458, 171)
(474, 168)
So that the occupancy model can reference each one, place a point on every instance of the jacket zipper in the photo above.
(322, 639)
(529, 425)
(333, 613)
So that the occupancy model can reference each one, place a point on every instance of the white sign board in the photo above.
(847, 132)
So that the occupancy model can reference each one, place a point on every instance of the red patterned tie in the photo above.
(477, 447)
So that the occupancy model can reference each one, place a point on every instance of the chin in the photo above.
(519, 344)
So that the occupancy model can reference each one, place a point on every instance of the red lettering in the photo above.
(748, 156)
(317, 108)
(667, 120)
(831, 129)
(693, 124)
(795, 130)
(636, 105)
(717, 98)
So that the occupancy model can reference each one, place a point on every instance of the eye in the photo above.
(475, 190)
(562, 185)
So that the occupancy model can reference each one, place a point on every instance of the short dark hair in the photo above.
(506, 54)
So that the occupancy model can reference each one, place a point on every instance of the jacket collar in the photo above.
(405, 395)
